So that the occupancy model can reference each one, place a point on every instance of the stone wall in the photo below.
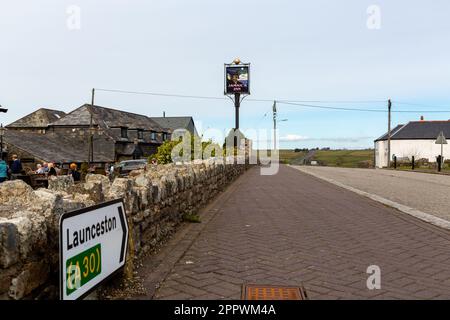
(155, 201)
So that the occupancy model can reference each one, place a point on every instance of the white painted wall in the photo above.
(420, 149)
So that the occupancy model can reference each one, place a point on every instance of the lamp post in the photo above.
(91, 131)
(2, 133)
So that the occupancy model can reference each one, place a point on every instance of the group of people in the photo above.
(10, 171)
(52, 169)
(49, 169)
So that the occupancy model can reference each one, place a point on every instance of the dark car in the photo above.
(125, 167)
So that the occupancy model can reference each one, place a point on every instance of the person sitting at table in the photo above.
(39, 169)
(74, 172)
(51, 170)
(45, 167)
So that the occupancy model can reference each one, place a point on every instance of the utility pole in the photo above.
(2, 131)
(389, 133)
(91, 133)
(274, 109)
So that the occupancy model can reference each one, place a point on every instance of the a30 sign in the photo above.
(93, 245)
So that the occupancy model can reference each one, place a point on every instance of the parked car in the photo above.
(125, 167)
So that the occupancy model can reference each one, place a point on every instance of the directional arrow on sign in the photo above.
(124, 233)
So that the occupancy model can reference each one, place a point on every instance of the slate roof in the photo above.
(59, 148)
(415, 130)
(40, 118)
(107, 118)
(174, 123)
(385, 136)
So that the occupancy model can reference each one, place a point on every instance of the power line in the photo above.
(418, 104)
(224, 98)
(362, 110)
(301, 103)
(335, 101)
(161, 94)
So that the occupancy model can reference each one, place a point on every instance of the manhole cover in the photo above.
(263, 292)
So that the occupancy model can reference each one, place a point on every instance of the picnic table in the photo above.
(38, 180)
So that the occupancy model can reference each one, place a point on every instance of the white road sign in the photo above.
(93, 246)
(441, 139)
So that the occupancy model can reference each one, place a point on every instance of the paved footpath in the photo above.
(294, 229)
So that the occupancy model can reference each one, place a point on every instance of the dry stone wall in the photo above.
(155, 201)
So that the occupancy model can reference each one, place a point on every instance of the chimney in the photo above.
(422, 118)
(164, 114)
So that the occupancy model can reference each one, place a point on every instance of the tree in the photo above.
(164, 153)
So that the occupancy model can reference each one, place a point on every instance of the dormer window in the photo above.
(140, 134)
(124, 132)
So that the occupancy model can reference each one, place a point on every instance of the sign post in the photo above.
(93, 247)
(441, 140)
(237, 83)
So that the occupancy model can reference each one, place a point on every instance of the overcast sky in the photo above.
(300, 50)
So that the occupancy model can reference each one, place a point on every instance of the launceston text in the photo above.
(90, 232)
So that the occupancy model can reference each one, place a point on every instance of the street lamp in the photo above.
(2, 133)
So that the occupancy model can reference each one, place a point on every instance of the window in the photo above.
(164, 136)
(153, 135)
(140, 134)
(124, 132)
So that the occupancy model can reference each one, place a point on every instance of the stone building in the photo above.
(174, 123)
(37, 121)
(49, 135)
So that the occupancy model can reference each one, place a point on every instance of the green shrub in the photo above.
(164, 153)
(191, 217)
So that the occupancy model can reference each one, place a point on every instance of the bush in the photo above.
(191, 217)
(164, 153)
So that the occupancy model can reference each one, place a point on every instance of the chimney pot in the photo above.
(422, 118)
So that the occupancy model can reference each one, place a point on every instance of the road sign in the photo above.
(93, 246)
(441, 139)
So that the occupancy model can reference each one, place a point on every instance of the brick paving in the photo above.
(294, 229)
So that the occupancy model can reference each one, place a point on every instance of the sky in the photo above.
(53, 52)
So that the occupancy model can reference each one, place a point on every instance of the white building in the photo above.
(417, 138)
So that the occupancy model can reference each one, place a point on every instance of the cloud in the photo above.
(293, 138)
(297, 138)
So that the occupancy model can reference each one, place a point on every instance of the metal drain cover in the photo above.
(263, 292)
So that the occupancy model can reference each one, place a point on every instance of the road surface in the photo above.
(423, 191)
(295, 229)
